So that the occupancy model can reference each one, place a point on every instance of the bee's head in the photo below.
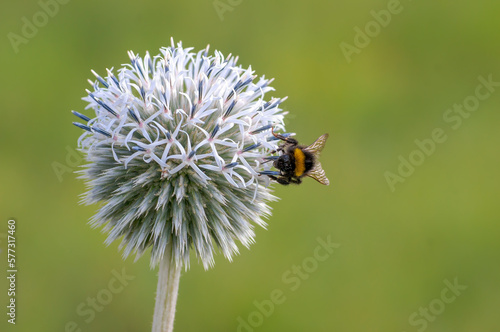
(284, 164)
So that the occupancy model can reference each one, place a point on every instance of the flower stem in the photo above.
(166, 293)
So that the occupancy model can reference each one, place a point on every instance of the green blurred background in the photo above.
(397, 249)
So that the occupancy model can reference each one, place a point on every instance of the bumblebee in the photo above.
(297, 161)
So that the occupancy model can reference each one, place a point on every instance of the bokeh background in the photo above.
(397, 248)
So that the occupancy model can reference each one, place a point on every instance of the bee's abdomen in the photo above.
(300, 165)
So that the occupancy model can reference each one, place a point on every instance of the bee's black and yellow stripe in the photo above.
(300, 162)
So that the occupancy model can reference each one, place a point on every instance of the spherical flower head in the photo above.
(174, 153)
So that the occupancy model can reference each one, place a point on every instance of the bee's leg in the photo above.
(284, 181)
(296, 180)
(272, 177)
(270, 158)
(283, 138)
(281, 180)
(280, 148)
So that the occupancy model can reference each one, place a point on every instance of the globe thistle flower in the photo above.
(174, 155)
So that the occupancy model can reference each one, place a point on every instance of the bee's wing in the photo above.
(317, 173)
(317, 146)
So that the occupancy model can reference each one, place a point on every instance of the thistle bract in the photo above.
(174, 152)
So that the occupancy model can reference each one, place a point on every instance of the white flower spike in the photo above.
(174, 154)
